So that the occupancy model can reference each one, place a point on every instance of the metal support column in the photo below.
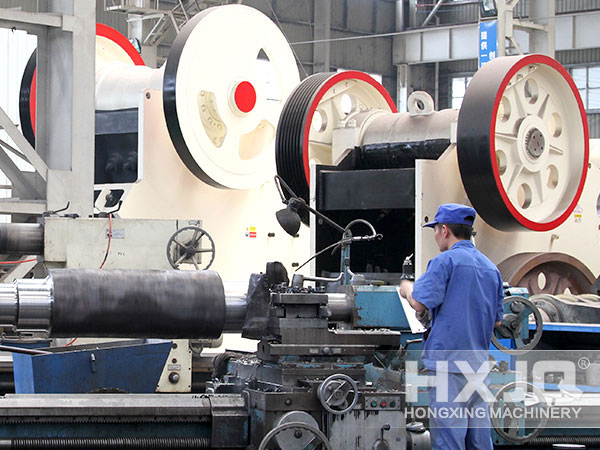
(66, 124)
(412, 12)
(542, 40)
(540, 27)
(401, 69)
(322, 31)
(402, 87)
(139, 26)
(505, 24)
(64, 153)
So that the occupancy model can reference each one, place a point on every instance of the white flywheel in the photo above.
(222, 102)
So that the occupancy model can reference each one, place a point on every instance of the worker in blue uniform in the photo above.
(462, 291)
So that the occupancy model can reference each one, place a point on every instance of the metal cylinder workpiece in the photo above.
(34, 304)
(9, 305)
(21, 239)
(341, 307)
(133, 303)
(236, 305)
(137, 303)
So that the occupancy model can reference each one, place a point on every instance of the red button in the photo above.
(245, 96)
(383, 404)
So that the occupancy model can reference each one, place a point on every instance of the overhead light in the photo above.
(289, 219)
(488, 8)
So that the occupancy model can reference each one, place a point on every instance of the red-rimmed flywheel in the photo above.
(311, 112)
(523, 143)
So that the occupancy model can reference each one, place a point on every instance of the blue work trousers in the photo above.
(458, 425)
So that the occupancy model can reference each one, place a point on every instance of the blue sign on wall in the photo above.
(488, 41)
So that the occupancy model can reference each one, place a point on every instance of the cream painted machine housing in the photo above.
(548, 131)
(206, 124)
(207, 152)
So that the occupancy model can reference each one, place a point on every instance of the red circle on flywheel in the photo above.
(245, 96)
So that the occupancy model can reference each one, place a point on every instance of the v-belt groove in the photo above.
(290, 134)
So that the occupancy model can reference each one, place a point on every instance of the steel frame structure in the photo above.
(64, 155)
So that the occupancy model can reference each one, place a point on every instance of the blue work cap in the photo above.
(453, 213)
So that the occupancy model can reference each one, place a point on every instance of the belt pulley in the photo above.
(312, 111)
(523, 143)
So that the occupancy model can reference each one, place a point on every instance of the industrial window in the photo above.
(587, 80)
(458, 87)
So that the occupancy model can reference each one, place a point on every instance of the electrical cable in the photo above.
(335, 244)
(72, 340)
(109, 240)
(373, 235)
(18, 262)
(345, 241)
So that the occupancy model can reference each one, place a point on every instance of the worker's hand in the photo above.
(406, 288)
(424, 317)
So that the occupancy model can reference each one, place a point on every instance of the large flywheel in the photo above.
(312, 111)
(220, 116)
(523, 143)
(222, 94)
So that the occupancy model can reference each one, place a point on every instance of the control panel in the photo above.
(383, 401)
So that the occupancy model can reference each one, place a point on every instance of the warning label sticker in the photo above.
(251, 232)
(578, 213)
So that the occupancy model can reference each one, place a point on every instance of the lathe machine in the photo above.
(335, 367)
(307, 385)
(331, 363)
